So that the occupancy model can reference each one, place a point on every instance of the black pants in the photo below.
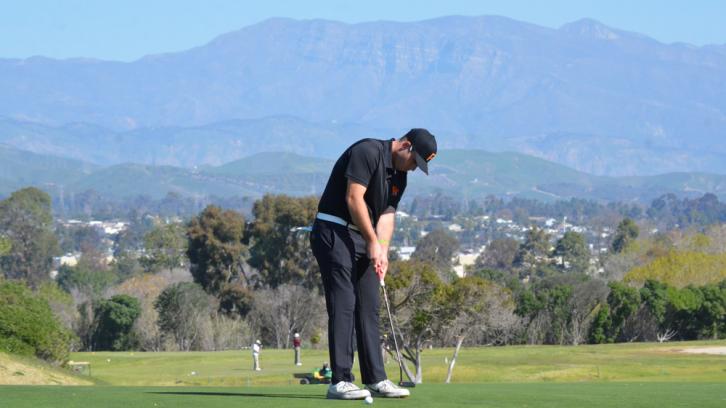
(351, 297)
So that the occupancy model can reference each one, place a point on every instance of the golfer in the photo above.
(350, 239)
(256, 348)
(296, 344)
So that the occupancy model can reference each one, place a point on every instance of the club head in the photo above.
(407, 384)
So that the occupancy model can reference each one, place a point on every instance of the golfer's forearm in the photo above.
(384, 229)
(359, 211)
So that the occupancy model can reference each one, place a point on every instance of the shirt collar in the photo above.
(388, 152)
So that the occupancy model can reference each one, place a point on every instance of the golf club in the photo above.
(409, 384)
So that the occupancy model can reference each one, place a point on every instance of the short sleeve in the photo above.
(362, 163)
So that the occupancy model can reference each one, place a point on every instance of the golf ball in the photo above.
(368, 400)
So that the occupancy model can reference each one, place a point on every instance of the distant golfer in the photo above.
(256, 348)
(296, 343)
(350, 239)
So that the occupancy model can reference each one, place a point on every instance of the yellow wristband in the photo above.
(383, 241)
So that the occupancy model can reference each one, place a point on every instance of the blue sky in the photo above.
(128, 29)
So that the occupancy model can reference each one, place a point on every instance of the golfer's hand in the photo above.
(376, 255)
(384, 266)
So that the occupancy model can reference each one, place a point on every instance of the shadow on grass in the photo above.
(238, 394)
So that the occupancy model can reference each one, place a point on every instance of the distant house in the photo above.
(405, 252)
(69, 259)
(462, 260)
(455, 228)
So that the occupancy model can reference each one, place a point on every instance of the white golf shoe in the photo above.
(346, 391)
(388, 389)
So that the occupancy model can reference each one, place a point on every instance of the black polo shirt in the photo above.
(367, 162)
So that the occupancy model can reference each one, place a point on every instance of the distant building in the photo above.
(455, 228)
(69, 259)
(405, 252)
(462, 260)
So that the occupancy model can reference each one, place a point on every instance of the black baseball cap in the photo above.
(423, 145)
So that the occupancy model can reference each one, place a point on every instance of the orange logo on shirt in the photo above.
(394, 190)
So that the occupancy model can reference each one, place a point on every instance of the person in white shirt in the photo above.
(256, 348)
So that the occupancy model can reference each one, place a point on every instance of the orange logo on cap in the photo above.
(431, 156)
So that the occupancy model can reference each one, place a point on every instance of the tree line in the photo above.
(221, 280)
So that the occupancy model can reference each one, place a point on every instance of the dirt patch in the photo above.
(720, 350)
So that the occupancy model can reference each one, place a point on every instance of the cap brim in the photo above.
(421, 163)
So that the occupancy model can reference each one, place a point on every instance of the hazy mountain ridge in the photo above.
(212, 144)
(477, 82)
(466, 174)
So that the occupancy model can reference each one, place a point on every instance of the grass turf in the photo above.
(633, 362)
(618, 375)
(561, 395)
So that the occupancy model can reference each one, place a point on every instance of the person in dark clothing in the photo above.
(350, 239)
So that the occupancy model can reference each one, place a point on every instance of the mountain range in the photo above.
(464, 174)
(595, 98)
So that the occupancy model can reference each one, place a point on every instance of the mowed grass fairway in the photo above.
(622, 375)
(579, 395)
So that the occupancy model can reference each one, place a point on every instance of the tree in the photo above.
(79, 238)
(278, 250)
(601, 324)
(165, 247)
(573, 250)
(557, 304)
(235, 299)
(416, 293)
(475, 306)
(146, 288)
(533, 251)
(546, 307)
(5, 246)
(682, 268)
(215, 250)
(284, 310)
(28, 327)
(185, 311)
(26, 220)
(626, 233)
(131, 239)
(623, 302)
(438, 249)
(114, 319)
(61, 303)
(584, 308)
(499, 254)
(87, 277)
(712, 313)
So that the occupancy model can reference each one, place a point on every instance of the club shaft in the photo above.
(393, 333)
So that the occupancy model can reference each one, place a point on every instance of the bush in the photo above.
(28, 326)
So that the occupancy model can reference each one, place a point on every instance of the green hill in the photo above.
(476, 173)
(274, 163)
(468, 174)
(127, 180)
(19, 168)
